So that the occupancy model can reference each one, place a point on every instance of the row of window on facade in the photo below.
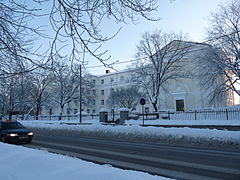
(111, 80)
(95, 93)
(179, 107)
(75, 111)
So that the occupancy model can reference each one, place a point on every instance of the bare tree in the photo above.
(159, 56)
(13, 86)
(8, 96)
(125, 97)
(76, 24)
(213, 76)
(81, 21)
(39, 95)
(88, 97)
(3, 103)
(13, 95)
(224, 58)
(66, 84)
(16, 36)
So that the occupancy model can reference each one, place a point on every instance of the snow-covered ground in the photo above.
(147, 122)
(186, 122)
(133, 130)
(18, 163)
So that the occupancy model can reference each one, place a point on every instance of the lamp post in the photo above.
(80, 99)
(113, 100)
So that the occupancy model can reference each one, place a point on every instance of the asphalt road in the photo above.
(177, 162)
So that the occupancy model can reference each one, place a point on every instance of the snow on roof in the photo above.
(113, 73)
(123, 109)
(103, 110)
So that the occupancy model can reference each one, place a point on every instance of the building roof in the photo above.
(113, 73)
(191, 44)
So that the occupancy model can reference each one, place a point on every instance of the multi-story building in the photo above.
(108, 82)
(183, 94)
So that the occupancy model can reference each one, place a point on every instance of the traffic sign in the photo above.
(142, 101)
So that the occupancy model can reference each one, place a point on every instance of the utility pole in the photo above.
(80, 100)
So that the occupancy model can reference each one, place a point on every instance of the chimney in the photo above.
(107, 71)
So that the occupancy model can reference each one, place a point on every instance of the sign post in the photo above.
(142, 102)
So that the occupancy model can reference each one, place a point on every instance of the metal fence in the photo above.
(55, 117)
(206, 114)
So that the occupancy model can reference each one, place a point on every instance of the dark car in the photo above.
(14, 132)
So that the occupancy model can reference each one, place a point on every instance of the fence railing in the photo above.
(206, 114)
(55, 117)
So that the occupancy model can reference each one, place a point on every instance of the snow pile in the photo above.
(189, 135)
(19, 163)
(123, 109)
(95, 121)
(187, 122)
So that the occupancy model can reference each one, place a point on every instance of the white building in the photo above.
(184, 94)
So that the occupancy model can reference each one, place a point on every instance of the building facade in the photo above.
(183, 94)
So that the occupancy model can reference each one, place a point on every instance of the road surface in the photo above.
(156, 158)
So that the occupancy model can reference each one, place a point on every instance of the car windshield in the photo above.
(12, 125)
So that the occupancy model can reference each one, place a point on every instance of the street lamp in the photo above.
(113, 99)
(80, 98)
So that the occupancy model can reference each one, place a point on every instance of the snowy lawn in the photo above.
(190, 135)
(186, 122)
(18, 163)
(149, 122)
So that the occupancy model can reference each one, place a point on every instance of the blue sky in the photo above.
(187, 16)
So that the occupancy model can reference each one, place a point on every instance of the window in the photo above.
(111, 79)
(68, 110)
(75, 111)
(94, 102)
(102, 81)
(121, 78)
(12, 125)
(88, 110)
(94, 81)
(93, 111)
(102, 92)
(88, 101)
(88, 92)
(94, 92)
(180, 105)
(102, 102)
(147, 110)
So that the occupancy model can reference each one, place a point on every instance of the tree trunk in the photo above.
(155, 109)
(61, 112)
(37, 112)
